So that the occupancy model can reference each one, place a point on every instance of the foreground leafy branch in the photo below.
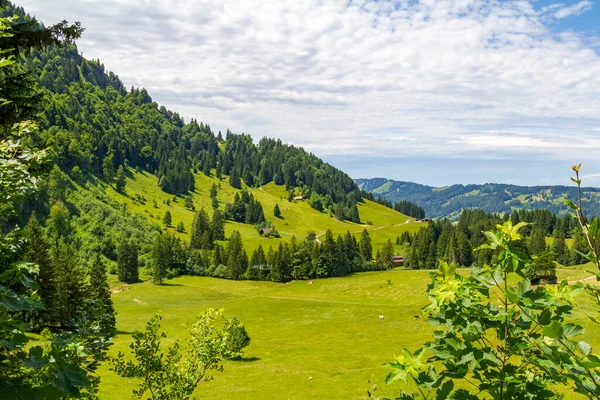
(496, 340)
(175, 372)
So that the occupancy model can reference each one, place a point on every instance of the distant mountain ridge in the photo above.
(448, 201)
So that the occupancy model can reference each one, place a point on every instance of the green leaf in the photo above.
(444, 392)
(570, 204)
(570, 330)
(584, 347)
(554, 330)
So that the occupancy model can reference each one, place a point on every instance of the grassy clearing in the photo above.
(298, 218)
(329, 331)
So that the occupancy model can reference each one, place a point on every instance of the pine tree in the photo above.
(108, 169)
(162, 258)
(340, 212)
(366, 249)
(560, 250)
(180, 227)
(200, 237)
(277, 211)
(69, 284)
(121, 179)
(99, 293)
(38, 253)
(167, 218)
(217, 226)
(236, 263)
(537, 241)
(127, 262)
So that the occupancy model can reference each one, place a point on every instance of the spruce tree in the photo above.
(366, 249)
(277, 211)
(99, 293)
(120, 184)
(537, 241)
(217, 226)
(236, 263)
(69, 284)
(38, 253)
(560, 249)
(162, 257)
(340, 212)
(167, 218)
(127, 262)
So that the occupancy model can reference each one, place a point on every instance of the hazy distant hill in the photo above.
(448, 201)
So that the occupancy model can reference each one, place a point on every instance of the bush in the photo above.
(235, 340)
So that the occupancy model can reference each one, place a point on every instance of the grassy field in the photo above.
(298, 218)
(320, 341)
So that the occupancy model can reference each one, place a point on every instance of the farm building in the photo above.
(398, 261)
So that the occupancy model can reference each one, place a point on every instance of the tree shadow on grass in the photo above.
(170, 284)
(247, 359)
(120, 332)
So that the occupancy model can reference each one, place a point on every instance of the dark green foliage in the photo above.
(69, 286)
(244, 209)
(277, 211)
(366, 249)
(120, 184)
(560, 250)
(38, 252)
(99, 293)
(201, 237)
(217, 226)
(237, 259)
(166, 255)
(180, 227)
(127, 262)
(188, 203)
(167, 220)
(542, 269)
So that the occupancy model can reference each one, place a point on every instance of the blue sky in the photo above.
(432, 91)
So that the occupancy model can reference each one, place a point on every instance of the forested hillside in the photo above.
(448, 201)
(138, 185)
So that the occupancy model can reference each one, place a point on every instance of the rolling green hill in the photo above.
(448, 201)
(297, 219)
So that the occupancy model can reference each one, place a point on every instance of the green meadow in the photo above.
(297, 218)
(309, 341)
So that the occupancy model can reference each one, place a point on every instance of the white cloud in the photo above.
(448, 78)
(575, 9)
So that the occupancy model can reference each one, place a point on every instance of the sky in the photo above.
(432, 91)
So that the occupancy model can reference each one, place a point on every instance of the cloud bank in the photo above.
(430, 78)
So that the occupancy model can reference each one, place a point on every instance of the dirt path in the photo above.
(584, 280)
(370, 230)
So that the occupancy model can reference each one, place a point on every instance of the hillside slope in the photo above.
(448, 201)
(297, 217)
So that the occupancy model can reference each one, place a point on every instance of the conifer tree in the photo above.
(162, 257)
(237, 260)
(366, 249)
(537, 241)
(200, 237)
(340, 212)
(167, 218)
(99, 293)
(108, 169)
(560, 250)
(217, 226)
(38, 253)
(69, 284)
(120, 184)
(277, 211)
(127, 262)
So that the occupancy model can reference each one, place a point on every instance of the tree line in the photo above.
(454, 243)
